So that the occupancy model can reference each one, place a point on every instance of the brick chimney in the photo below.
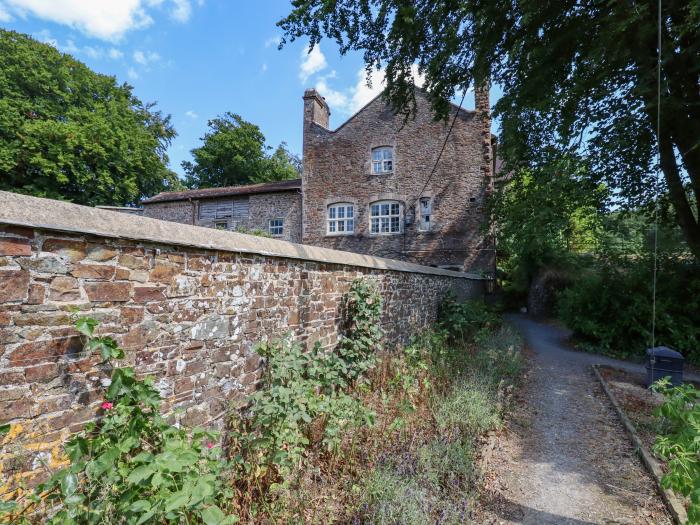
(315, 109)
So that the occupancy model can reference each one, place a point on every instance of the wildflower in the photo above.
(107, 405)
(210, 445)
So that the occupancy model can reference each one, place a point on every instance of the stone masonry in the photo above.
(338, 169)
(188, 305)
(261, 203)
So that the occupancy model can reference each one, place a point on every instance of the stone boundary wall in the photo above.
(187, 304)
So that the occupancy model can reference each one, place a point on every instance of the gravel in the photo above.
(565, 458)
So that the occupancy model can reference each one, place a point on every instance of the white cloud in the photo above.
(132, 74)
(145, 58)
(311, 63)
(114, 53)
(5, 15)
(273, 41)
(182, 10)
(70, 47)
(192, 114)
(105, 19)
(263, 67)
(352, 99)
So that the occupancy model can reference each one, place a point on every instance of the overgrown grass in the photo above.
(433, 401)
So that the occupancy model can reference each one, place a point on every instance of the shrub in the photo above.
(679, 443)
(610, 307)
(464, 321)
(132, 466)
(306, 397)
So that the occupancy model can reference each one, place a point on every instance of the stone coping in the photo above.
(49, 214)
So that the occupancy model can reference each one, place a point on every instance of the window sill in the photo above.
(384, 234)
(341, 234)
(383, 173)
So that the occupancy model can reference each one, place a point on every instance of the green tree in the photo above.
(576, 77)
(233, 153)
(544, 216)
(69, 133)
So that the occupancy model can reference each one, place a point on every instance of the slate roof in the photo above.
(209, 193)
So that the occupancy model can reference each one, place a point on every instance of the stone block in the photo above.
(109, 291)
(14, 246)
(145, 294)
(64, 288)
(133, 262)
(100, 253)
(13, 285)
(44, 264)
(213, 327)
(182, 286)
(70, 249)
(41, 351)
(37, 294)
(102, 272)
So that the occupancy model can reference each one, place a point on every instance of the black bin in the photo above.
(663, 361)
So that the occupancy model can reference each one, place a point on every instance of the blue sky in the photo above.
(200, 58)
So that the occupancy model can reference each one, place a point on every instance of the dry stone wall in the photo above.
(187, 314)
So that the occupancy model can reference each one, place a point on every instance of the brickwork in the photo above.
(337, 168)
(187, 315)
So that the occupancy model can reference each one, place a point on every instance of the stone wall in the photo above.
(187, 304)
(337, 168)
(282, 205)
(183, 212)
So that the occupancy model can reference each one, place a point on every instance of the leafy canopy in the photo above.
(576, 78)
(234, 152)
(544, 216)
(69, 133)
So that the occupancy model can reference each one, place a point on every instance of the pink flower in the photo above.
(107, 405)
(210, 445)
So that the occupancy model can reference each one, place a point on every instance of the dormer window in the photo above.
(382, 160)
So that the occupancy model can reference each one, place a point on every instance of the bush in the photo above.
(610, 307)
(679, 443)
(131, 466)
(466, 321)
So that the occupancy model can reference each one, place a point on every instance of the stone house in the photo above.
(371, 186)
(273, 207)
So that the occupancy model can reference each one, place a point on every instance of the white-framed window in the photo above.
(276, 227)
(382, 160)
(425, 210)
(385, 217)
(221, 225)
(341, 219)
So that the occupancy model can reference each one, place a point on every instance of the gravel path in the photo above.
(566, 459)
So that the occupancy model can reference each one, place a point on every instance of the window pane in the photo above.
(425, 205)
(341, 212)
(350, 225)
(395, 224)
(377, 154)
(385, 209)
(331, 212)
(350, 211)
(375, 210)
(388, 153)
(375, 225)
(385, 224)
(331, 226)
(394, 208)
(388, 165)
(341, 226)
